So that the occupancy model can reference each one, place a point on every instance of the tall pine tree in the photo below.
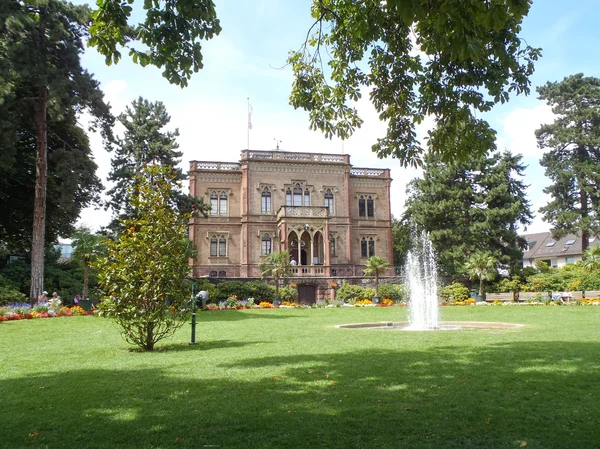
(44, 149)
(573, 162)
(146, 141)
(471, 206)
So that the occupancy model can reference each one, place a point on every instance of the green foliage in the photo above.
(454, 292)
(470, 58)
(591, 260)
(169, 36)
(226, 289)
(542, 266)
(376, 266)
(481, 266)
(10, 295)
(207, 286)
(276, 266)
(401, 239)
(395, 292)
(145, 270)
(288, 293)
(26, 63)
(572, 162)
(260, 291)
(471, 206)
(349, 292)
(145, 141)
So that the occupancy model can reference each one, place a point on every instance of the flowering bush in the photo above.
(17, 312)
(386, 302)
(333, 284)
(265, 305)
(363, 302)
(288, 304)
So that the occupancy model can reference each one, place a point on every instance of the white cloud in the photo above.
(518, 130)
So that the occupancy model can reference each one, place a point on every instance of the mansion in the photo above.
(331, 217)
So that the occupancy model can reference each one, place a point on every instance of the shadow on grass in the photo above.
(201, 346)
(544, 393)
(248, 314)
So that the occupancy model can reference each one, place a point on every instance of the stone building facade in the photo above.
(330, 216)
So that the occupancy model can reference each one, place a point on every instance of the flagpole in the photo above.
(248, 142)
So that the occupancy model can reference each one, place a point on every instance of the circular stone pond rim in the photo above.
(444, 325)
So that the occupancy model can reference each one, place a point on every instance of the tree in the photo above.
(276, 266)
(592, 259)
(169, 35)
(376, 266)
(144, 273)
(572, 163)
(481, 266)
(145, 142)
(470, 206)
(44, 88)
(401, 238)
(452, 60)
(87, 246)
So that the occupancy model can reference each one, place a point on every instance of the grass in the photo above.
(289, 379)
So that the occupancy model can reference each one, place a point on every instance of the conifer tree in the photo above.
(471, 206)
(574, 157)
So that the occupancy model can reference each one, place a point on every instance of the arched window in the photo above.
(288, 197)
(370, 207)
(223, 204)
(265, 245)
(362, 210)
(363, 247)
(265, 204)
(214, 203)
(222, 274)
(366, 206)
(222, 246)
(306, 197)
(218, 203)
(297, 195)
(213, 274)
(329, 201)
(371, 247)
(218, 246)
(332, 244)
(213, 246)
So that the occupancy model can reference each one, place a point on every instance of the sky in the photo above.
(247, 61)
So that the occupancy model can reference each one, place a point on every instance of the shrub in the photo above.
(455, 292)
(9, 296)
(288, 293)
(207, 286)
(395, 292)
(260, 290)
(229, 288)
(349, 292)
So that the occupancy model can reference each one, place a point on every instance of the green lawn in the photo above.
(289, 379)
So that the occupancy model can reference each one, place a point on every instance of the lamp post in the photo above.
(193, 340)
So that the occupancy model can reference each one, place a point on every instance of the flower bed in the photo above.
(17, 312)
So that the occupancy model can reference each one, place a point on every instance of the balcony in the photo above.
(308, 271)
(302, 212)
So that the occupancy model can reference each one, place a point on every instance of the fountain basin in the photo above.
(442, 326)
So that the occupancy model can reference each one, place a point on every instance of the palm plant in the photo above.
(591, 260)
(86, 247)
(276, 266)
(376, 266)
(481, 266)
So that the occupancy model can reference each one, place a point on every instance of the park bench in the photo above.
(491, 297)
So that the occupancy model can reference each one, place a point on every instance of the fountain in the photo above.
(423, 310)
(422, 285)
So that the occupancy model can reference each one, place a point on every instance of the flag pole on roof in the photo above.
(249, 121)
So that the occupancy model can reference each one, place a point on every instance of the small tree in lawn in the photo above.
(276, 266)
(144, 272)
(87, 247)
(481, 266)
(376, 266)
(591, 260)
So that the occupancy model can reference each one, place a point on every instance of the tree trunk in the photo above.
(86, 272)
(39, 208)
(481, 286)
